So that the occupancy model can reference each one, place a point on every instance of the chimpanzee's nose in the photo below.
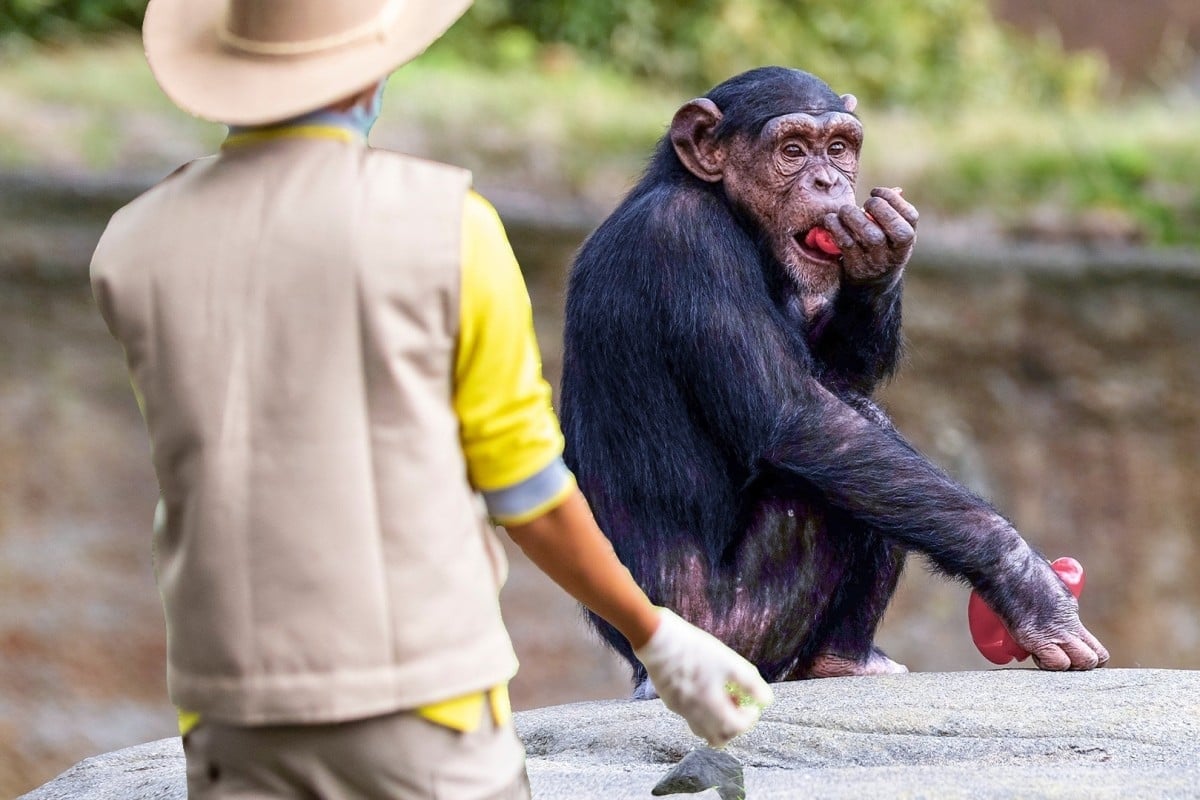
(823, 177)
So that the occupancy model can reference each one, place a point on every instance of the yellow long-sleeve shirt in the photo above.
(510, 433)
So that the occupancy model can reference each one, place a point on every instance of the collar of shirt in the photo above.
(325, 124)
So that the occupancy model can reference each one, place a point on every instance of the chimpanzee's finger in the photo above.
(864, 229)
(1082, 656)
(898, 230)
(853, 256)
(1050, 656)
(1092, 642)
(896, 200)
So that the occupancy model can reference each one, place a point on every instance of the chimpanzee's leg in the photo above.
(768, 597)
(848, 648)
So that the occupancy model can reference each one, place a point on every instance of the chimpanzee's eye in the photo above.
(837, 148)
(793, 150)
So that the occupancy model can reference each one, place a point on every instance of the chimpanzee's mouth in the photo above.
(818, 244)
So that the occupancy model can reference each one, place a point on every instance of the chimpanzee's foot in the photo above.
(831, 665)
(645, 690)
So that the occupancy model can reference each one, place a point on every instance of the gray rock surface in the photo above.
(1000, 734)
(151, 771)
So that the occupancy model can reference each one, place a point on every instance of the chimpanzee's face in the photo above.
(801, 167)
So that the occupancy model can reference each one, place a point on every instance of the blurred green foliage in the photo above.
(59, 19)
(1137, 166)
(932, 53)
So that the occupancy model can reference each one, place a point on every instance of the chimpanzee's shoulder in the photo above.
(662, 211)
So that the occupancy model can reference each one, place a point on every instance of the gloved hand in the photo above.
(718, 692)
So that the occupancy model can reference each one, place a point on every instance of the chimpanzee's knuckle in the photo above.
(874, 237)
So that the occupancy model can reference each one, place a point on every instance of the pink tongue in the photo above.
(821, 239)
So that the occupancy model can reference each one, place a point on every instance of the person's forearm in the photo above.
(567, 545)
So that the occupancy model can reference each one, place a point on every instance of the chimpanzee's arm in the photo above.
(882, 481)
(734, 361)
(859, 346)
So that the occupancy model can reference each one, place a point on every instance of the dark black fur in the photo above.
(727, 444)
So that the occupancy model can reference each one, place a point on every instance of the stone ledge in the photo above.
(999, 734)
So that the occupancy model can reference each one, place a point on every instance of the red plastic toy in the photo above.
(989, 633)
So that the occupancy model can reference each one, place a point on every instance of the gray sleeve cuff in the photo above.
(531, 497)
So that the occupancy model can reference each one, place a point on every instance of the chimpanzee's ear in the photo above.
(692, 135)
(850, 102)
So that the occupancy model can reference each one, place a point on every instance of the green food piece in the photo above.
(743, 697)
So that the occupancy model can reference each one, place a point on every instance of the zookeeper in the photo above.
(333, 349)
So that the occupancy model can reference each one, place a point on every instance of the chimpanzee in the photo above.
(725, 329)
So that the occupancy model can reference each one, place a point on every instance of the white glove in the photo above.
(718, 692)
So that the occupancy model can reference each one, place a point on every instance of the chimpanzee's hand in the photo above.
(1043, 618)
(877, 239)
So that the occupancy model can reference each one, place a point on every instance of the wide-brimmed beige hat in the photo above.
(252, 62)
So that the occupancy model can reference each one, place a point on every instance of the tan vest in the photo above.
(289, 312)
